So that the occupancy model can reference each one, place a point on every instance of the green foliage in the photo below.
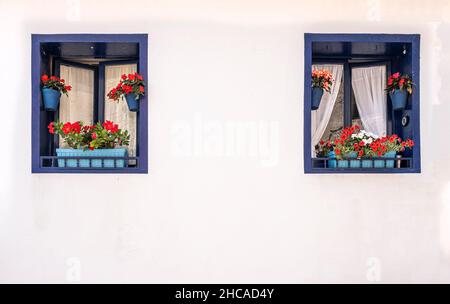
(98, 136)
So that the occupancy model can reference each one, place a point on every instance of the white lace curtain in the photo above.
(321, 116)
(80, 103)
(368, 85)
(118, 111)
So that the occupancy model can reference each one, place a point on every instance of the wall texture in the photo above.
(226, 199)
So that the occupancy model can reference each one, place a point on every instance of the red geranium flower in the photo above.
(108, 125)
(51, 128)
(127, 89)
(44, 78)
(76, 127)
(115, 128)
(67, 128)
(124, 76)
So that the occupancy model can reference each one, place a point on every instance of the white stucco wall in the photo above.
(214, 213)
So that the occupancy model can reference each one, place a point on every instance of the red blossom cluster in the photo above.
(353, 139)
(390, 143)
(399, 82)
(344, 137)
(110, 126)
(131, 83)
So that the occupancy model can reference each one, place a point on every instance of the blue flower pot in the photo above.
(398, 98)
(51, 99)
(332, 163)
(316, 97)
(95, 158)
(389, 163)
(133, 104)
(354, 163)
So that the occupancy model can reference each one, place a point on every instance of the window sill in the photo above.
(72, 164)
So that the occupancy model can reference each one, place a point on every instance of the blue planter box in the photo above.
(354, 163)
(95, 161)
(332, 163)
(380, 163)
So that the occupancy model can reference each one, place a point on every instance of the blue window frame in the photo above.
(399, 52)
(48, 52)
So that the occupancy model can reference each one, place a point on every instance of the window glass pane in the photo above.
(356, 119)
(79, 106)
(118, 111)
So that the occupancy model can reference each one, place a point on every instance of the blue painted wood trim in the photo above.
(347, 95)
(307, 105)
(137, 38)
(36, 40)
(416, 101)
(143, 104)
(363, 171)
(35, 102)
(330, 37)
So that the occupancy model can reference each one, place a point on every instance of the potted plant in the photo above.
(357, 148)
(131, 87)
(321, 80)
(52, 87)
(91, 144)
(347, 146)
(399, 86)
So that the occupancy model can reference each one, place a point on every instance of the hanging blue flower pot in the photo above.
(133, 104)
(398, 98)
(51, 99)
(316, 97)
